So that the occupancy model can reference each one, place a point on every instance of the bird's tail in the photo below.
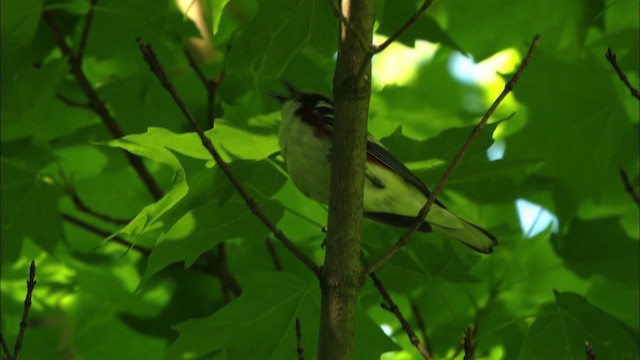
(471, 235)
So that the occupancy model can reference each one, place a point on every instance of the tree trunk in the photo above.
(341, 277)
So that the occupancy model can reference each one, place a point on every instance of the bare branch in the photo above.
(96, 103)
(404, 239)
(421, 326)
(274, 255)
(393, 308)
(378, 48)
(5, 348)
(218, 267)
(74, 220)
(85, 30)
(299, 340)
(611, 57)
(211, 84)
(73, 103)
(69, 188)
(194, 65)
(628, 186)
(338, 13)
(591, 355)
(31, 284)
(469, 346)
(158, 70)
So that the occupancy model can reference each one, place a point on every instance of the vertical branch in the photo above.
(95, 102)
(420, 218)
(341, 277)
(31, 284)
(628, 186)
(299, 347)
(468, 345)
(391, 306)
(591, 355)
(274, 255)
(421, 326)
(5, 348)
(85, 30)
(611, 57)
(158, 71)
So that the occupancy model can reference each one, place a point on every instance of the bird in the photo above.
(392, 193)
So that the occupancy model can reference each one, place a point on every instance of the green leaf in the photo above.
(561, 331)
(266, 313)
(211, 225)
(599, 247)
(19, 20)
(217, 7)
(577, 133)
(279, 30)
(426, 28)
(30, 107)
(486, 27)
(29, 200)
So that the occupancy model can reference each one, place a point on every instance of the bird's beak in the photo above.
(279, 97)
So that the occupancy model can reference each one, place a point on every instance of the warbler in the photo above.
(392, 193)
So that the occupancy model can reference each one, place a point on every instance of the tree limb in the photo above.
(468, 344)
(378, 48)
(85, 30)
(420, 218)
(274, 255)
(96, 103)
(421, 326)
(591, 355)
(341, 278)
(611, 57)
(211, 85)
(159, 72)
(628, 186)
(391, 306)
(31, 284)
(338, 13)
(5, 348)
(299, 346)
(75, 221)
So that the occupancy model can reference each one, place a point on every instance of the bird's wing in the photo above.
(376, 150)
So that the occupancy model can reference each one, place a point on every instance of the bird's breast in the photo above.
(306, 154)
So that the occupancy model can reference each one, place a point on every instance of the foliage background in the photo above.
(536, 297)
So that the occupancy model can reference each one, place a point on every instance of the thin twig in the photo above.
(338, 13)
(378, 48)
(628, 186)
(393, 308)
(73, 103)
(454, 163)
(74, 220)
(211, 84)
(274, 255)
(69, 188)
(31, 283)
(158, 70)
(421, 326)
(96, 103)
(469, 346)
(5, 348)
(194, 65)
(85, 30)
(591, 355)
(218, 267)
(611, 57)
(299, 340)
(374, 49)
